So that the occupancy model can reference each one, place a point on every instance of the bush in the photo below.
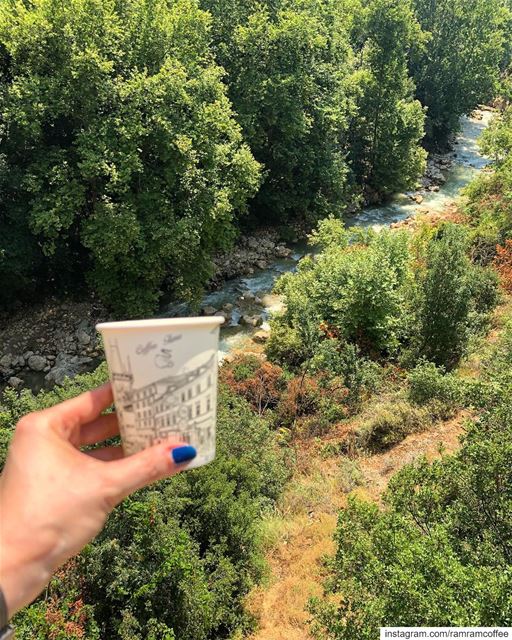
(503, 265)
(389, 425)
(177, 558)
(357, 291)
(429, 383)
(286, 346)
(258, 381)
(439, 555)
(452, 300)
(358, 374)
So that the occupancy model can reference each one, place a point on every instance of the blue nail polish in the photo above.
(183, 454)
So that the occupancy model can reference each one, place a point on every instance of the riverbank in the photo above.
(42, 344)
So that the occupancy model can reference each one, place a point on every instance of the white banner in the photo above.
(409, 633)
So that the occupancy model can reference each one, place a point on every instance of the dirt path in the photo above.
(302, 532)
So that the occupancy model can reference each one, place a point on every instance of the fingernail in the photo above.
(183, 454)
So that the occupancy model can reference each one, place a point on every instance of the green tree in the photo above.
(122, 157)
(443, 302)
(387, 126)
(286, 82)
(440, 552)
(461, 64)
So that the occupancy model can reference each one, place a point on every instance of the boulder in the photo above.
(418, 198)
(27, 354)
(261, 264)
(37, 363)
(282, 252)
(261, 337)
(247, 296)
(208, 311)
(6, 361)
(83, 337)
(228, 307)
(251, 321)
(15, 383)
(66, 366)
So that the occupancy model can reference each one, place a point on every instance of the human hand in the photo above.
(54, 498)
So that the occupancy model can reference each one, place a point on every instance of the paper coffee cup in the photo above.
(164, 379)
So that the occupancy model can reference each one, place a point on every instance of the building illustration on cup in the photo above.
(178, 406)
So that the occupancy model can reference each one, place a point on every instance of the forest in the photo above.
(137, 141)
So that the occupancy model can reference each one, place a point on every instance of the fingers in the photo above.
(96, 431)
(106, 453)
(143, 468)
(86, 407)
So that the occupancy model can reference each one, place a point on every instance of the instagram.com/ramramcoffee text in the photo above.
(408, 633)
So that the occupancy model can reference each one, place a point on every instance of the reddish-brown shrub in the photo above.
(503, 264)
(257, 380)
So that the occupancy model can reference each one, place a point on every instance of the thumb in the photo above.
(147, 466)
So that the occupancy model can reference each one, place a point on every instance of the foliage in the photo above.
(389, 424)
(176, 559)
(388, 122)
(286, 84)
(122, 157)
(488, 198)
(357, 291)
(429, 383)
(359, 375)
(256, 380)
(503, 265)
(440, 554)
(460, 65)
(449, 289)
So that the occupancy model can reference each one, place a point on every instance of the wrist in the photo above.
(22, 575)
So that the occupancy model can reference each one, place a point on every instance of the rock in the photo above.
(222, 314)
(252, 321)
(248, 296)
(6, 361)
(37, 363)
(423, 211)
(27, 354)
(418, 199)
(434, 188)
(261, 337)
(15, 383)
(228, 307)
(83, 337)
(208, 311)
(282, 252)
(253, 243)
(258, 301)
(51, 358)
(66, 366)
(261, 264)
(19, 362)
(47, 368)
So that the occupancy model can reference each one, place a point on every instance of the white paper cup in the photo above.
(164, 378)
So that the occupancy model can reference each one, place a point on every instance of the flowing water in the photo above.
(467, 163)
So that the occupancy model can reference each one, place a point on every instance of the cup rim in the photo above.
(161, 323)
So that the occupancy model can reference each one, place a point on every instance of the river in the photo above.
(467, 163)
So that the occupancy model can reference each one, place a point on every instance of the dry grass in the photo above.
(299, 535)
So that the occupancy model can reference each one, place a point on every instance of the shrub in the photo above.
(338, 359)
(258, 381)
(440, 553)
(429, 383)
(389, 425)
(285, 345)
(175, 559)
(358, 291)
(452, 298)
(503, 265)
